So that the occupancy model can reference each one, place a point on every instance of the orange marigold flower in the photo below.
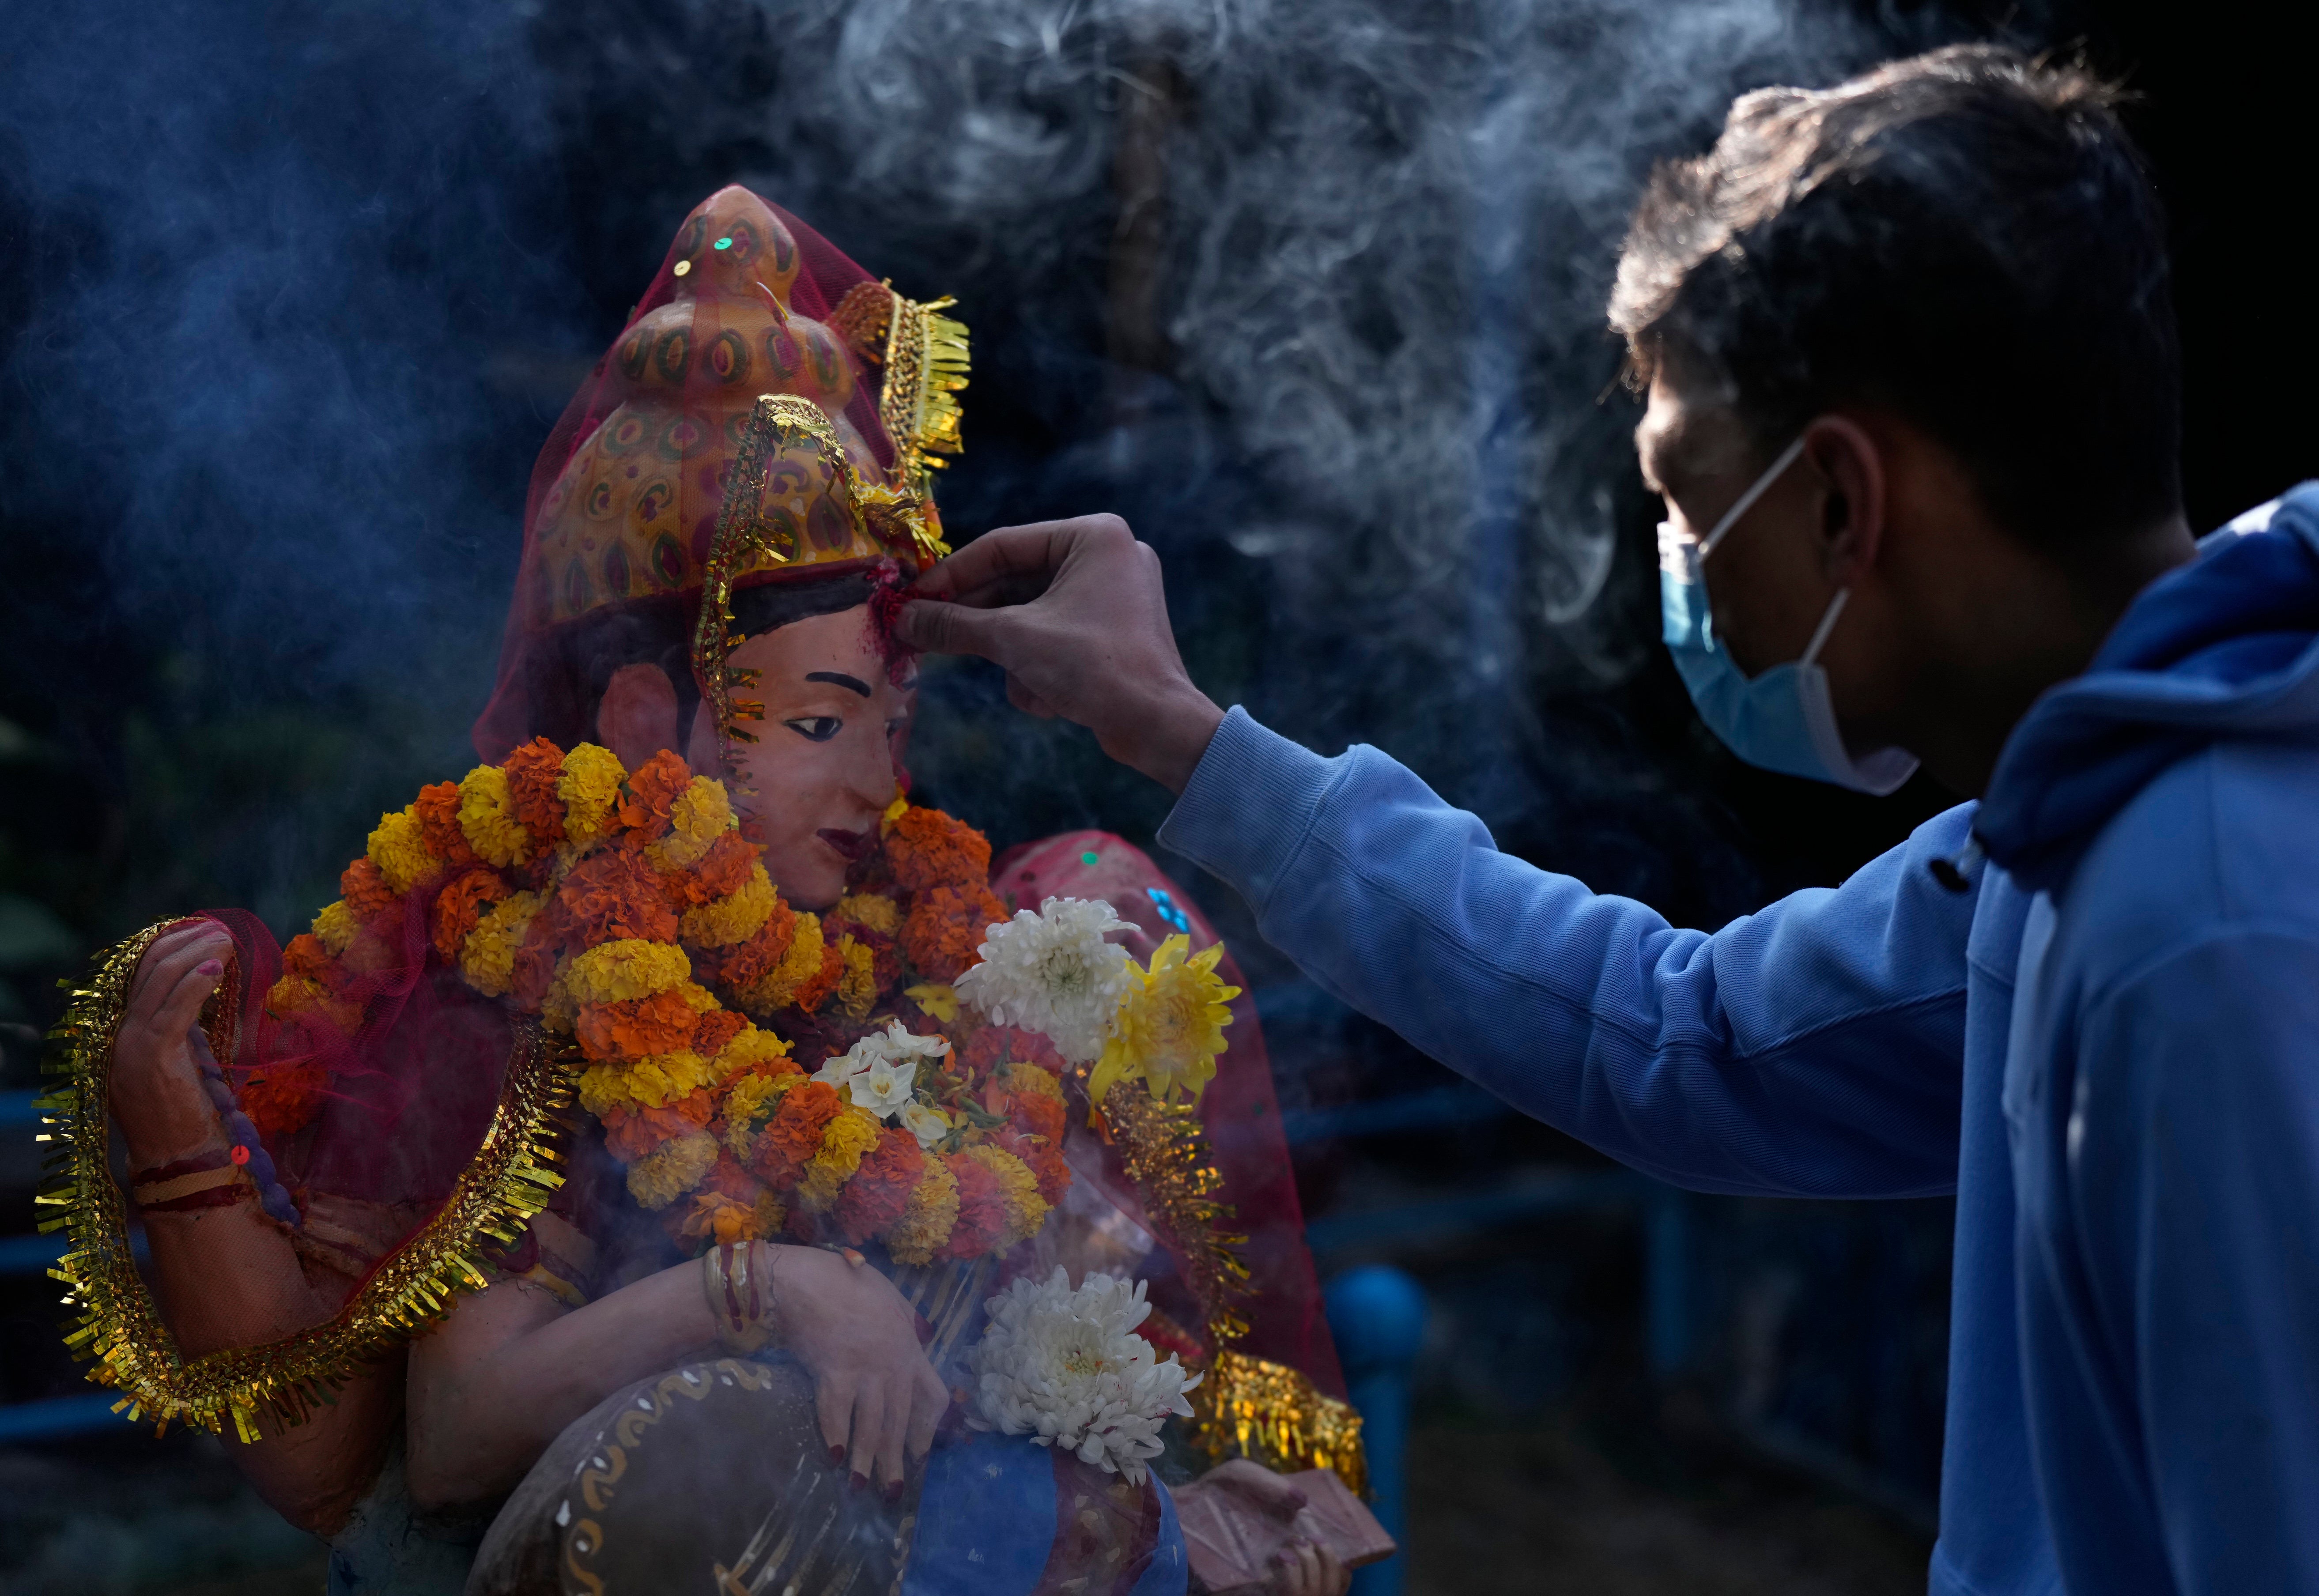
(872, 1200)
(281, 1100)
(994, 1045)
(927, 848)
(816, 991)
(715, 1030)
(746, 962)
(612, 895)
(439, 820)
(633, 1133)
(982, 1209)
(652, 790)
(636, 1028)
(305, 956)
(793, 1135)
(1034, 1113)
(460, 905)
(372, 901)
(944, 930)
(532, 773)
(723, 868)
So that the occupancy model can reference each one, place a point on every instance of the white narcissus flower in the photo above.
(929, 1125)
(1066, 1368)
(1053, 972)
(877, 1071)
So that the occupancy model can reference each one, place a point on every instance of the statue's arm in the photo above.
(228, 1275)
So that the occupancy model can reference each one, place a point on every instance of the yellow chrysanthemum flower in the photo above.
(335, 927)
(672, 1169)
(701, 815)
(631, 967)
(777, 988)
(857, 987)
(1018, 1188)
(853, 1134)
(487, 818)
(588, 787)
(399, 848)
(928, 1216)
(732, 918)
(879, 913)
(1171, 1025)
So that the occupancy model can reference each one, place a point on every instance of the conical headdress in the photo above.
(771, 411)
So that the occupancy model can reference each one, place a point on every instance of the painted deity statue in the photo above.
(678, 1161)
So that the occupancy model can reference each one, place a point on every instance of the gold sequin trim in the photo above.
(119, 1327)
(1166, 1152)
(1247, 1407)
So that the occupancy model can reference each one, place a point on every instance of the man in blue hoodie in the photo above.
(1912, 405)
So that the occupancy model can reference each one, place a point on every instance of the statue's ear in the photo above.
(637, 716)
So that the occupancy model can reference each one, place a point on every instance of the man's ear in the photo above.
(637, 716)
(1851, 466)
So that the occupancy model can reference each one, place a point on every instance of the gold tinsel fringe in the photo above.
(1166, 1152)
(1247, 1407)
(927, 357)
(119, 1326)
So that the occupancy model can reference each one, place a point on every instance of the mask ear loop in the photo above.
(1746, 501)
(1827, 625)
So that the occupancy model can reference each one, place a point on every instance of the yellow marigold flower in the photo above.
(701, 815)
(732, 918)
(590, 786)
(631, 967)
(1029, 1077)
(292, 993)
(777, 988)
(749, 1103)
(751, 1047)
(853, 1134)
(335, 928)
(1018, 1188)
(672, 1169)
(879, 913)
(399, 848)
(857, 987)
(487, 818)
(559, 1010)
(660, 1080)
(894, 811)
(1171, 1025)
(487, 958)
(927, 1216)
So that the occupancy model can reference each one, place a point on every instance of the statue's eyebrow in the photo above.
(839, 679)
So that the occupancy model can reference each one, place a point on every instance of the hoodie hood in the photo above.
(2226, 646)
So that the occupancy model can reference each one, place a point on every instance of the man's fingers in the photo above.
(833, 1405)
(1021, 558)
(949, 628)
(869, 1425)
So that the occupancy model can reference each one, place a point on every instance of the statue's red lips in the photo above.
(854, 845)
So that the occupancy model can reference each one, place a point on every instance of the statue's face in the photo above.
(812, 786)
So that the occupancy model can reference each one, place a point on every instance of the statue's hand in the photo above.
(877, 1398)
(156, 1095)
(1076, 613)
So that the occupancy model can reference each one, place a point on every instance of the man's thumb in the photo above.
(932, 626)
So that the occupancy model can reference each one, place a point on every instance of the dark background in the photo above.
(290, 295)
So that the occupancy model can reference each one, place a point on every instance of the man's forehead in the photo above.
(1685, 434)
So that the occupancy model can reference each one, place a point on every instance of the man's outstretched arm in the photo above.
(1813, 1047)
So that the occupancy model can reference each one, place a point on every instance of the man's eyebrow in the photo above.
(839, 679)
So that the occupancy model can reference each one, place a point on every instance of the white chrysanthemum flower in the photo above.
(1053, 973)
(1067, 1368)
(929, 1125)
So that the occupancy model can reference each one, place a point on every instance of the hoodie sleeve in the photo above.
(1813, 1048)
(2193, 1168)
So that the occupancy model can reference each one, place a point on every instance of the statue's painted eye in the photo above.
(815, 728)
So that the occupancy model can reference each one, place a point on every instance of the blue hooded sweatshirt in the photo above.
(2108, 1048)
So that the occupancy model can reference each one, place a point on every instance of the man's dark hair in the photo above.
(1967, 237)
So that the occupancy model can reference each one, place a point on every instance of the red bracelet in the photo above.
(207, 1180)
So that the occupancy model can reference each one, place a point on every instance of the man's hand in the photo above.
(878, 1399)
(1075, 613)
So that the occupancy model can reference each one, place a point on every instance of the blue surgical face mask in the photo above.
(1783, 719)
